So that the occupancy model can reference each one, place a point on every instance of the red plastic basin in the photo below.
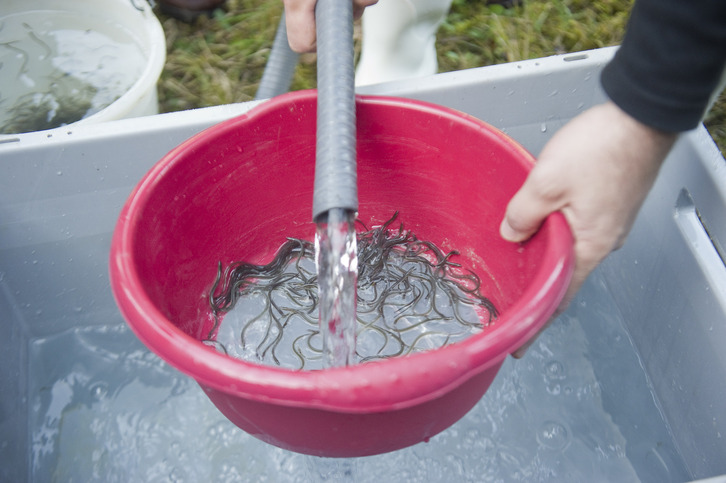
(236, 190)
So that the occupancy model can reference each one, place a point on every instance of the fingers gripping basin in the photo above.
(236, 190)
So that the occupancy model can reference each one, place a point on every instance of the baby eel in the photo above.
(249, 324)
(387, 334)
(426, 320)
(39, 41)
(20, 52)
(417, 295)
(399, 273)
(276, 341)
(412, 348)
(214, 344)
(317, 350)
(378, 330)
(298, 352)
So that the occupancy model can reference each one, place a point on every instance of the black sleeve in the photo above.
(670, 62)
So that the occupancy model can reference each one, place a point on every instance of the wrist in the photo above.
(658, 137)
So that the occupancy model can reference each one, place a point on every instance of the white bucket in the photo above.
(81, 61)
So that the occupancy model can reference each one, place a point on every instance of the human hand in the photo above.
(300, 22)
(596, 170)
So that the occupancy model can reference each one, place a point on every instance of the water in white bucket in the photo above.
(59, 67)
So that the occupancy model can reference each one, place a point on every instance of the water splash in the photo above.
(337, 266)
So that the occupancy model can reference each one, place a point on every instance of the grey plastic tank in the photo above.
(628, 385)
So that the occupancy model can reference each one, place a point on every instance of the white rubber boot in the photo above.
(399, 40)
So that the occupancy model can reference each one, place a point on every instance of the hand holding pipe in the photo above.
(335, 159)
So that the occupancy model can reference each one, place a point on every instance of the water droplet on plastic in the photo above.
(555, 370)
(553, 435)
(176, 474)
(98, 390)
(554, 389)
(543, 127)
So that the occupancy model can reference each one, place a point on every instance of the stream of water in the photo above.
(337, 266)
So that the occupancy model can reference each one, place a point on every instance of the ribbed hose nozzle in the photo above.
(335, 160)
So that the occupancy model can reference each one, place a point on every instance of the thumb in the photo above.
(527, 210)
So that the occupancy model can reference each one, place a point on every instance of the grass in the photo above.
(220, 60)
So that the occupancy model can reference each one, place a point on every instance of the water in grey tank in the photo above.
(577, 407)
